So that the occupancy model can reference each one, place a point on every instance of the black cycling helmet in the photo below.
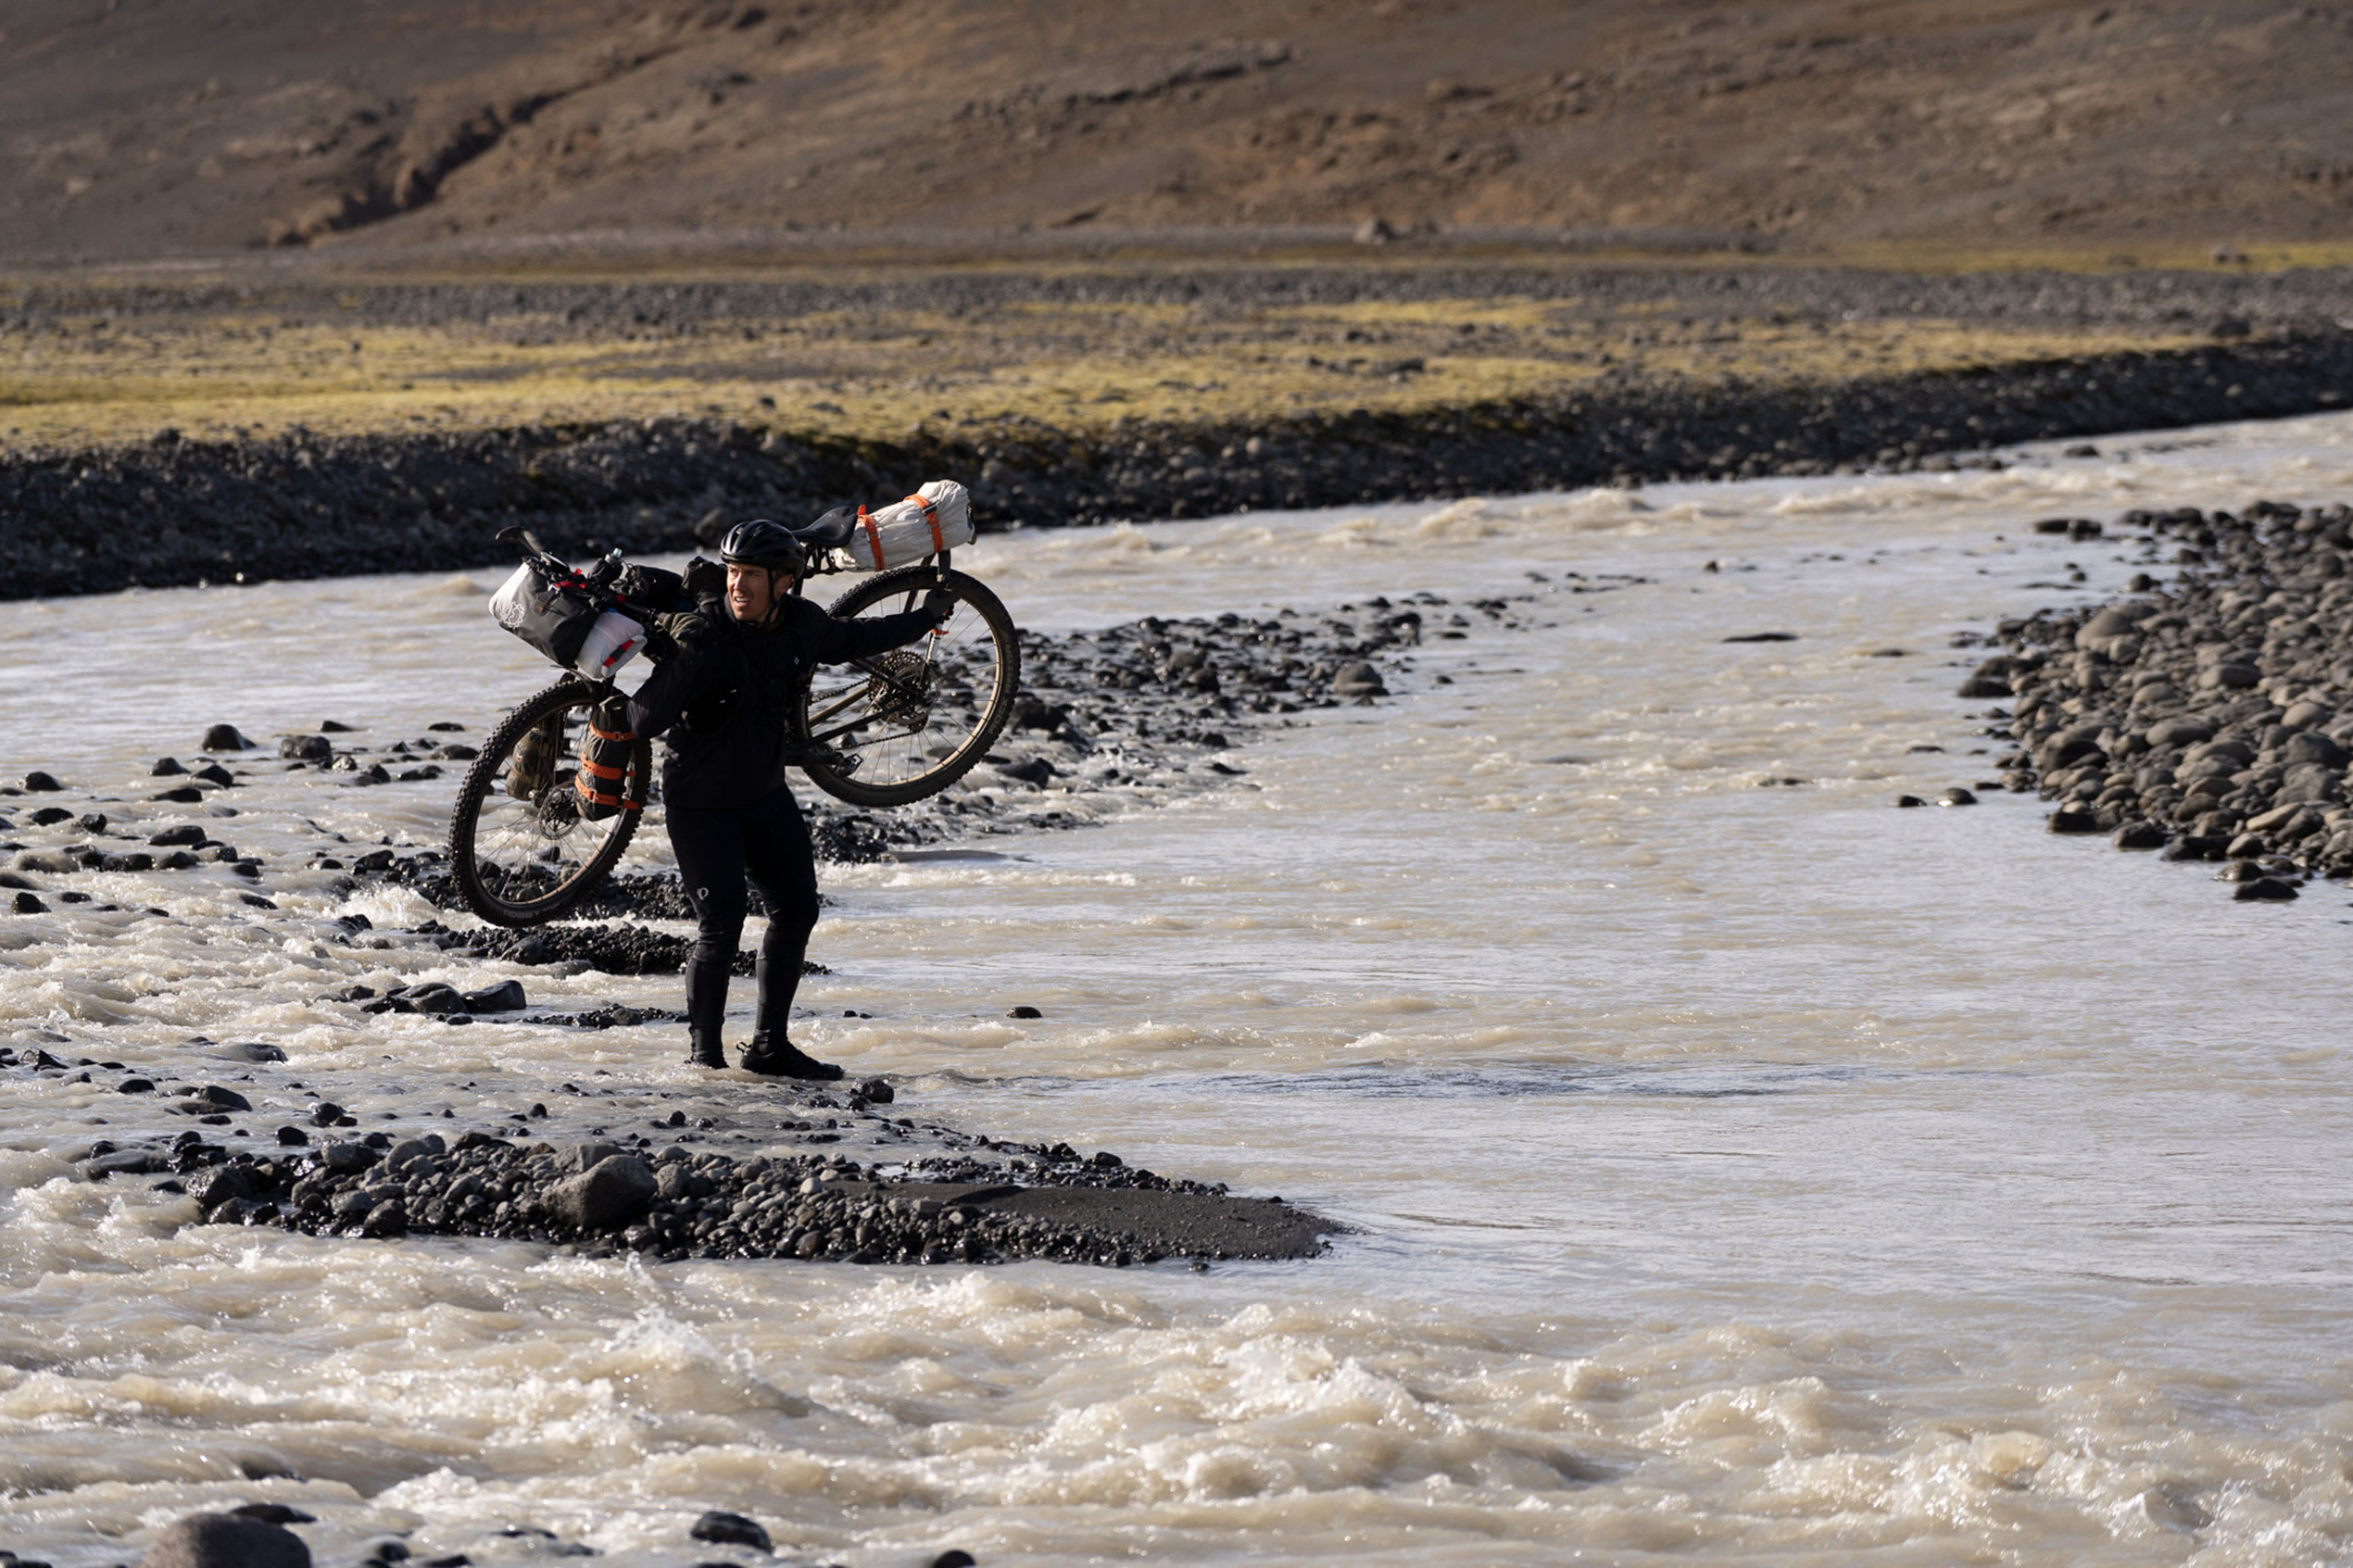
(765, 542)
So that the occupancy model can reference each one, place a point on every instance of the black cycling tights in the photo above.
(767, 842)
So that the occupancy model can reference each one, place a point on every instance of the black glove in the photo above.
(939, 604)
(679, 631)
(705, 579)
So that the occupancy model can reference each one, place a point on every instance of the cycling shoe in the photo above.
(786, 1060)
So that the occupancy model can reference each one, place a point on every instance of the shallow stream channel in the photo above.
(1737, 1168)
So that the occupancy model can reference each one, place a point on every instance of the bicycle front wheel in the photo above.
(518, 845)
(910, 722)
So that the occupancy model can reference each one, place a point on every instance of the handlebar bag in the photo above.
(553, 615)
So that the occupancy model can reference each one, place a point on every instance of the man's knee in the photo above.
(792, 911)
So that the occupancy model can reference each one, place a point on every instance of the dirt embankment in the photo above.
(209, 126)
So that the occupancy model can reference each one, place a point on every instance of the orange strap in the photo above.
(931, 516)
(873, 538)
(612, 734)
(580, 782)
(601, 770)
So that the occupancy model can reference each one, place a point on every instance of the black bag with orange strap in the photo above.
(604, 760)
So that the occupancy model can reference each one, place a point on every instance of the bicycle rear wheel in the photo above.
(519, 847)
(910, 722)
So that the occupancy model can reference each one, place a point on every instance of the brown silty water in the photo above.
(1738, 1172)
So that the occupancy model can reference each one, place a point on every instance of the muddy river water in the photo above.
(1740, 1169)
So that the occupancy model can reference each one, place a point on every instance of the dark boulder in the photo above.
(617, 1191)
(225, 1541)
(721, 1528)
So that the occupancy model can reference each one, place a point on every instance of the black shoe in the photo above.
(705, 1052)
(786, 1060)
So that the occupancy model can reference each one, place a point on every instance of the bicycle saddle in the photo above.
(828, 533)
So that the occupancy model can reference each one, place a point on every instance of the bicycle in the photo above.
(888, 731)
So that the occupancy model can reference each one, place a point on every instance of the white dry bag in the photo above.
(932, 520)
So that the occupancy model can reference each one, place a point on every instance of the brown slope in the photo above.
(153, 126)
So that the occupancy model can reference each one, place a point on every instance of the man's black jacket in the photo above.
(720, 698)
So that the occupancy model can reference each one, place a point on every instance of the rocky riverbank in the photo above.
(2209, 719)
(1047, 1202)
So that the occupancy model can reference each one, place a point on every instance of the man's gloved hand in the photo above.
(679, 631)
(939, 604)
(705, 579)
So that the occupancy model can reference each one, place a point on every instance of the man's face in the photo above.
(751, 591)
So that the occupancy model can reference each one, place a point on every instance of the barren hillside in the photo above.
(144, 129)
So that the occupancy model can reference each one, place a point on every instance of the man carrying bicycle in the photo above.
(720, 700)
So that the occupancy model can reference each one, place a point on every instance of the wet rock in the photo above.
(223, 737)
(955, 1557)
(2180, 731)
(1910, 801)
(225, 1541)
(2072, 820)
(1029, 770)
(2139, 836)
(223, 1185)
(38, 783)
(28, 904)
(49, 816)
(184, 835)
(507, 996)
(1957, 795)
(167, 767)
(2264, 890)
(616, 1192)
(876, 1091)
(730, 1529)
(306, 748)
(1023, 1011)
(1358, 678)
